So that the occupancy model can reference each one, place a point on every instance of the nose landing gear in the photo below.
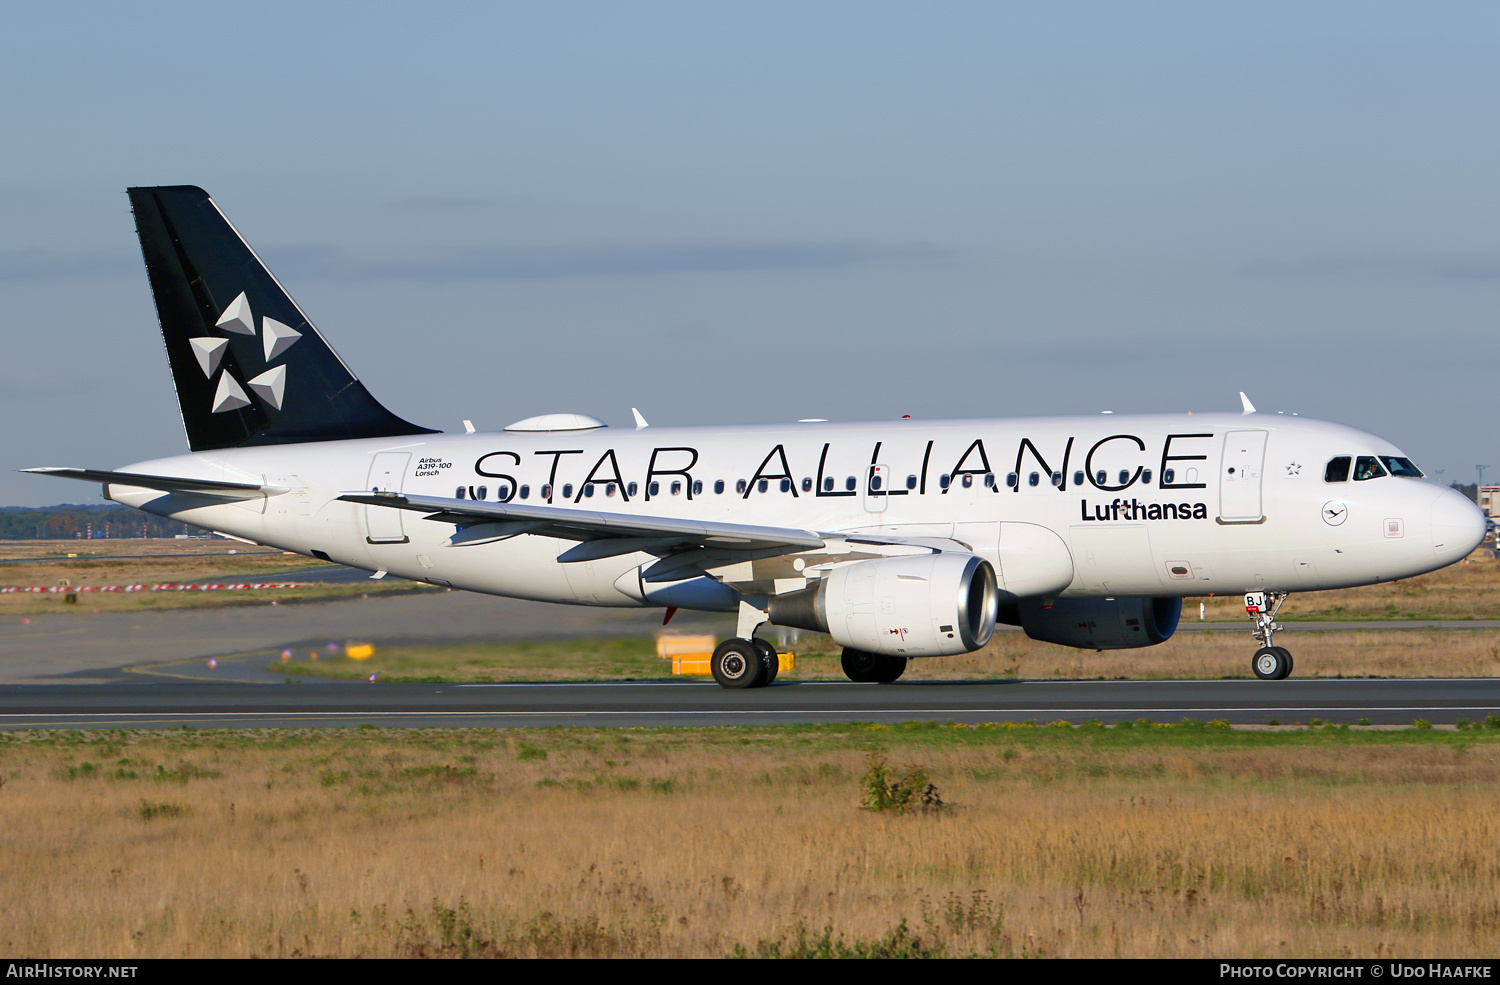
(1271, 662)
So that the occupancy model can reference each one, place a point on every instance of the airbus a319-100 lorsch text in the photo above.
(899, 539)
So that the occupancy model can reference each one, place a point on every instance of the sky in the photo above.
(771, 211)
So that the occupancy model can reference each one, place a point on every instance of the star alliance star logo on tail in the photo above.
(276, 339)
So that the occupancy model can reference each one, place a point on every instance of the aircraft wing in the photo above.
(165, 483)
(630, 533)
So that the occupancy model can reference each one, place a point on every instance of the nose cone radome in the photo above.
(1457, 525)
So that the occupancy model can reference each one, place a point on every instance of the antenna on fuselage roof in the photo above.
(1249, 407)
(640, 422)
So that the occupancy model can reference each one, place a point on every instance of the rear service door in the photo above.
(387, 473)
(1239, 477)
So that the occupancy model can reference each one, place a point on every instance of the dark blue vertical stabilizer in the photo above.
(250, 369)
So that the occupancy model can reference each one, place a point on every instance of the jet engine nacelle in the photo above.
(915, 606)
(1099, 624)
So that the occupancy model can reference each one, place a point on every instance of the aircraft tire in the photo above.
(1290, 664)
(771, 658)
(737, 664)
(863, 667)
(1271, 663)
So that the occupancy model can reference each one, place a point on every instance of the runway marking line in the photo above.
(729, 711)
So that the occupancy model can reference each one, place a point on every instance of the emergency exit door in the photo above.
(877, 488)
(383, 523)
(1240, 477)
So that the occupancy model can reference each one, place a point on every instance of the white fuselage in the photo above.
(1158, 511)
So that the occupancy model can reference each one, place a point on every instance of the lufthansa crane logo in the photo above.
(1335, 512)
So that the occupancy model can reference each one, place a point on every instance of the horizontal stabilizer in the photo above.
(571, 524)
(166, 483)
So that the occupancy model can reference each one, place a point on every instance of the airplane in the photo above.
(900, 539)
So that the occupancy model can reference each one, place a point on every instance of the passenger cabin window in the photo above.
(568, 490)
(849, 484)
(460, 493)
(502, 493)
(1012, 480)
(763, 485)
(807, 483)
(989, 480)
(588, 491)
(828, 483)
(697, 487)
(629, 489)
(911, 482)
(546, 490)
(676, 488)
(609, 489)
(786, 485)
(1167, 476)
(483, 493)
(1034, 479)
(1146, 476)
(1102, 477)
(1402, 467)
(968, 481)
(943, 480)
(719, 486)
(1078, 478)
(1365, 467)
(1124, 477)
(739, 487)
(1337, 469)
(653, 488)
(526, 491)
(1057, 479)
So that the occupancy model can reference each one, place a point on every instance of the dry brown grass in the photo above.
(1213, 654)
(692, 842)
(1467, 590)
(113, 562)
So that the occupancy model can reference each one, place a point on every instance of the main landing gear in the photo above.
(863, 667)
(740, 663)
(1270, 663)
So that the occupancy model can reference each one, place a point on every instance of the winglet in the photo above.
(640, 422)
(1249, 407)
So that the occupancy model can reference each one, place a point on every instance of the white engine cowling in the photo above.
(917, 606)
(1099, 624)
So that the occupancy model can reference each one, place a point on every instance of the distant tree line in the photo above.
(70, 522)
(1469, 489)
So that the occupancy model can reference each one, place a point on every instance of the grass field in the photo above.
(131, 562)
(1468, 590)
(1185, 841)
(1213, 654)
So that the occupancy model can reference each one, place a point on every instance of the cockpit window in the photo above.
(1365, 467)
(1402, 467)
(1337, 470)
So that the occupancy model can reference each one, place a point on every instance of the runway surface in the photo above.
(675, 703)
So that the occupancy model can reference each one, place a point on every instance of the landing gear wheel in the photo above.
(1290, 664)
(1271, 663)
(770, 658)
(738, 664)
(864, 667)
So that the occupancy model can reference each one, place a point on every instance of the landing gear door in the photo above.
(877, 486)
(1240, 477)
(383, 523)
